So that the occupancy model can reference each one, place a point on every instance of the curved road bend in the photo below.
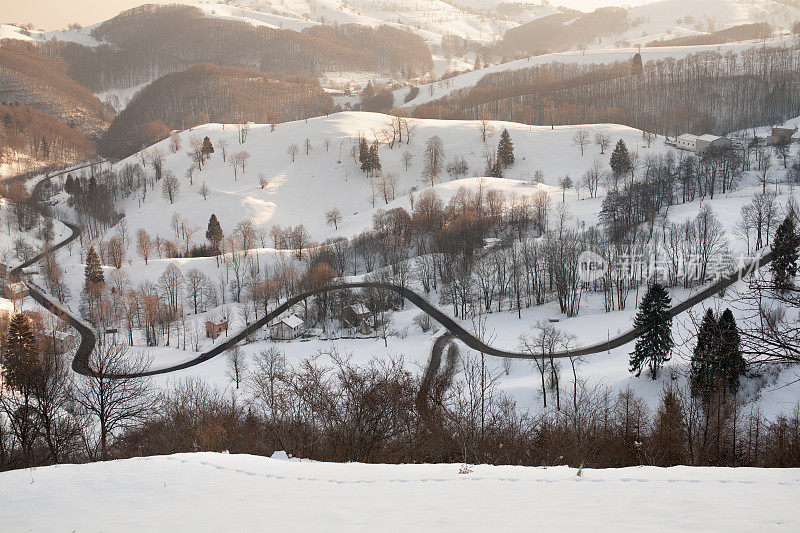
(80, 362)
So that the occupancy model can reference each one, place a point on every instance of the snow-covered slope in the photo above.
(300, 192)
(438, 89)
(219, 492)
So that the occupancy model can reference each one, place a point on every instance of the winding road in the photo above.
(80, 363)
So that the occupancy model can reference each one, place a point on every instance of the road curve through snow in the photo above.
(80, 363)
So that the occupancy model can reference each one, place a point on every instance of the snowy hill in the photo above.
(220, 492)
(302, 191)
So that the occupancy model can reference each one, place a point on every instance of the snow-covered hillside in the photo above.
(439, 89)
(300, 192)
(219, 492)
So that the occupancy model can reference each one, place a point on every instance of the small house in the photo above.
(687, 141)
(357, 316)
(214, 329)
(782, 134)
(62, 342)
(287, 328)
(712, 142)
(16, 292)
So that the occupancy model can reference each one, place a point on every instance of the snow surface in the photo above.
(221, 492)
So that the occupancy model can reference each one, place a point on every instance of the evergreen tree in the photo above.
(374, 160)
(214, 233)
(497, 169)
(363, 155)
(705, 357)
(93, 272)
(636, 64)
(505, 150)
(717, 360)
(669, 431)
(654, 344)
(207, 148)
(21, 355)
(732, 363)
(784, 254)
(620, 159)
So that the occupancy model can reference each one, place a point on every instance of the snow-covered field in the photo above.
(220, 492)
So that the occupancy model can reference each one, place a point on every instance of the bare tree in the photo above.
(235, 365)
(603, 141)
(333, 217)
(307, 145)
(144, 244)
(581, 139)
(434, 158)
(224, 144)
(292, 151)
(262, 180)
(564, 183)
(116, 400)
(591, 178)
(204, 191)
(407, 157)
(170, 186)
(116, 251)
(174, 142)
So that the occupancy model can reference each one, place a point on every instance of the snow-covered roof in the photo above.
(62, 335)
(688, 137)
(360, 309)
(293, 321)
(709, 138)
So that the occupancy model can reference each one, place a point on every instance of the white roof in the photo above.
(709, 138)
(360, 309)
(796, 135)
(293, 321)
(62, 335)
(688, 137)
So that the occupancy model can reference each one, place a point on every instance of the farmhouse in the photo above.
(62, 342)
(687, 141)
(286, 328)
(214, 329)
(711, 142)
(782, 134)
(357, 316)
(16, 292)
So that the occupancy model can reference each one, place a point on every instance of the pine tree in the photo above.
(20, 354)
(654, 344)
(705, 357)
(363, 155)
(620, 159)
(374, 160)
(505, 150)
(732, 362)
(784, 254)
(636, 64)
(497, 169)
(207, 148)
(214, 233)
(93, 272)
(669, 431)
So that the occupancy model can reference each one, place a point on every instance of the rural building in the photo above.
(16, 292)
(214, 329)
(708, 142)
(62, 342)
(286, 328)
(687, 141)
(357, 316)
(782, 133)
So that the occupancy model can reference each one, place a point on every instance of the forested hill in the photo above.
(210, 93)
(41, 82)
(150, 41)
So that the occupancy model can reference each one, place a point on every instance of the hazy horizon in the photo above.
(54, 15)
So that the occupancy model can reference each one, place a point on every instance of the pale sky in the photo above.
(56, 14)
